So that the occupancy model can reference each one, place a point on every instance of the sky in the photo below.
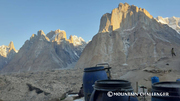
(19, 19)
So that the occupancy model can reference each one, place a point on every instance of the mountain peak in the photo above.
(77, 41)
(57, 31)
(5, 50)
(123, 7)
(71, 39)
(61, 33)
(126, 7)
(129, 35)
(125, 16)
(173, 22)
(32, 36)
(40, 32)
(159, 17)
(11, 46)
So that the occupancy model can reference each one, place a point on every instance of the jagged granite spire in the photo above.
(71, 39)
(6, 54)
(40, 32)
(11, 46)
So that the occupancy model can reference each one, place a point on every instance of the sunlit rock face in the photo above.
(46, 52)
(129, 36)
(125, 16)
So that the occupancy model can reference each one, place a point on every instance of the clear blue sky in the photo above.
(19, 19)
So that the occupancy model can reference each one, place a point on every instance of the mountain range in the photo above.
(46, 52)
(135, 44)
(128, 36)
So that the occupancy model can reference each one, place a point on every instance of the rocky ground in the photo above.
(39, 86)
(52, 85)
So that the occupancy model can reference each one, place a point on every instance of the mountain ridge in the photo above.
(44, 52)
(173, 22)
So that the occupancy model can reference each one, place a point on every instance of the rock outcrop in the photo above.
(130, 37)
(45, 52)
(6, 54)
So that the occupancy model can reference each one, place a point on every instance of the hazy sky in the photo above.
(19, 19)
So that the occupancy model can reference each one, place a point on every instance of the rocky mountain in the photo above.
(134, 43)
(173, 22)
(129, 37)
(45, 52)
(6, 54)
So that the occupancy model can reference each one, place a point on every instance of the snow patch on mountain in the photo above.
(78, 41)
(6, 54)
(173, 22)
(129, 29)
(5, 50)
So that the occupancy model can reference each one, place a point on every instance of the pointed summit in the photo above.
(11, 46)
(40, 32)
(6, 54)
(71, 39)
(59, 35)
(76, 41)
(62, 33)
(57, 31)
(33, 35)
(173, 22)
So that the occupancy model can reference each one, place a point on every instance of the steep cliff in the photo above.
(129, 36)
